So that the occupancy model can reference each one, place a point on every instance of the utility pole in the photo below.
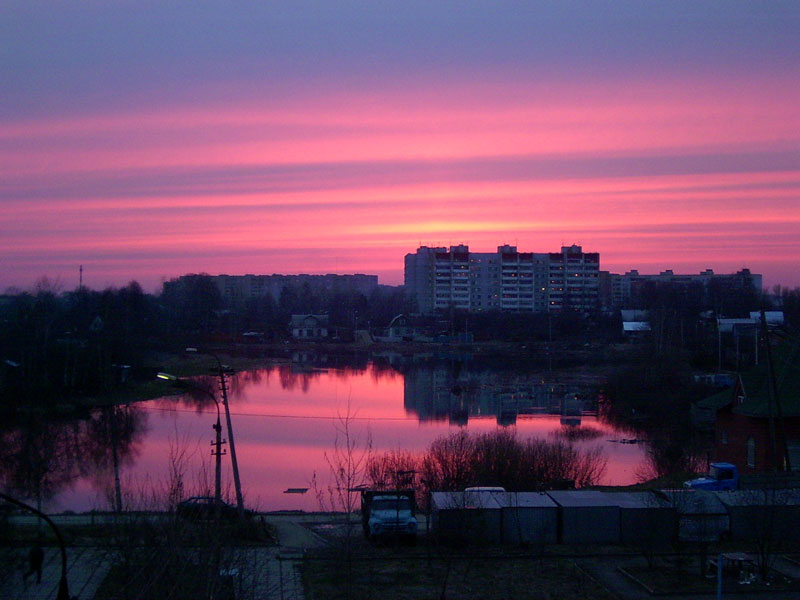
(115, 459)
(236, 481)
(234, 463)
(218, 441)
(217, 452)
(774, 401)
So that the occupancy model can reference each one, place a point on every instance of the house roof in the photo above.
(309, 320)
(719, 400)
(755, 386)
(787, 381)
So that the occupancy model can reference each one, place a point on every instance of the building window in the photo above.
(723, 437)
(751, 452)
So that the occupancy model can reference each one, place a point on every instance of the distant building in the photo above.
(574, 279)
(408, 328)
(438, 278)
(309, 327)
(235, 290)
(625, 291)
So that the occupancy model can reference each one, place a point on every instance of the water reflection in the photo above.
(43, 459)
(456, 395)
(671, 445)
(285, 421)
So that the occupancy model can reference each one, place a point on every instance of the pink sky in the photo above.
(315, 160)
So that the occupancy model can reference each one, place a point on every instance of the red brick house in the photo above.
(742, 428)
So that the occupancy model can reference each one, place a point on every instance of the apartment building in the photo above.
(441, 278)
(574, 279)
(235, 290)
(625, 290)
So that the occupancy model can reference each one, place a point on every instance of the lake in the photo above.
(287, 418)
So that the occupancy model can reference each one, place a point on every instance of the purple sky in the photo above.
(148, 140)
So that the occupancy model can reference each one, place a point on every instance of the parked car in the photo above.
(203, 508)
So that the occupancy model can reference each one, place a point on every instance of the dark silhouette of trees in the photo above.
(788, 300)
(56, 347)
(192, 303)
(261, 314)
(462, 459)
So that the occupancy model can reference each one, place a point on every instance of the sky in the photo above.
(147, 140)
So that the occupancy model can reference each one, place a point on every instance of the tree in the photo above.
(347, 464)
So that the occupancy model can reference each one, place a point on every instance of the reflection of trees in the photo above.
(43, 458)
(673, 447)
(240, 381)
(292, 378)
(113, 437)
(39, 460)
(126, 423)
(578, 433)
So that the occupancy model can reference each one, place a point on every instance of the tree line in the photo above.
(498, 458)
(57, 345)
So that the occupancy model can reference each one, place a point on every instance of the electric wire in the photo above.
(279, 416)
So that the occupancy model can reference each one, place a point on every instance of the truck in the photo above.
(721, 476)
(388, 514)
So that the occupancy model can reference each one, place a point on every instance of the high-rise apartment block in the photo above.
(508, 280)
(237, 289)
(626, 290)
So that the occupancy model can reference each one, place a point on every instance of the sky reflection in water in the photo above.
(285, 421)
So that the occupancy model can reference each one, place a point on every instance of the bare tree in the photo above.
(760, 523)
(347, 465)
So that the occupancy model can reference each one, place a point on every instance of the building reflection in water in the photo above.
(291, 411)
(439, 394)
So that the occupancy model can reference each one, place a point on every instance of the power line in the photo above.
(279, 416)
(331, 418)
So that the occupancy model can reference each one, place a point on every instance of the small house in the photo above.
(742, 415)
(309, 327)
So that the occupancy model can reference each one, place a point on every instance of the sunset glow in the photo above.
(146, 144)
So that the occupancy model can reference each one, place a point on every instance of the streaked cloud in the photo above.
(146, 143)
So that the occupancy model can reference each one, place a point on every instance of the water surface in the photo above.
(286, 419)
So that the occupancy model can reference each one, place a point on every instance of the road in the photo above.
(258, 572)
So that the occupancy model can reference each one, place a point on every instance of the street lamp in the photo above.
(217, 427)
(237, 484)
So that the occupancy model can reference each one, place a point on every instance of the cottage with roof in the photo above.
(309, 327)
(752, 418)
